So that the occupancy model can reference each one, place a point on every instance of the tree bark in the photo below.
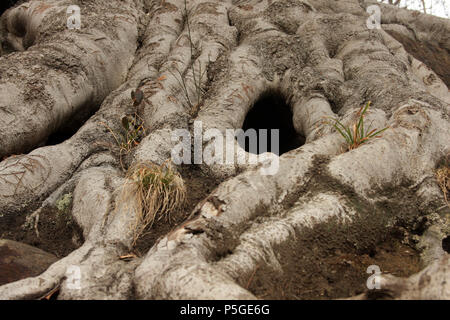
(320, 56)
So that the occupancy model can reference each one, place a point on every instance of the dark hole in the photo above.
(271, 112)
(446, 244)
(70, 127)
(19, 28)
(6, 4)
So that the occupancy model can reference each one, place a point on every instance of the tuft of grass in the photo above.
(158, 191)
(355, 134)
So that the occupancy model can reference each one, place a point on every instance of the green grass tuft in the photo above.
(355, 135)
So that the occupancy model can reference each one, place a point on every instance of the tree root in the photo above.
(319, 199)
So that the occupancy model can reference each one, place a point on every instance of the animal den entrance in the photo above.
(270, 112)
(6, 4)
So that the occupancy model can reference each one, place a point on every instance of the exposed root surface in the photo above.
(308, 230)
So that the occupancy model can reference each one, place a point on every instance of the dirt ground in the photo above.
(336, 275)
(58, 234)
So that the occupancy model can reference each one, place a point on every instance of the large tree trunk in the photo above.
(319, 56)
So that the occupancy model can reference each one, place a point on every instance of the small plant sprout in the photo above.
(355, 135)
(130, 135)
(194, 103)
(158, 191)
(196, 72)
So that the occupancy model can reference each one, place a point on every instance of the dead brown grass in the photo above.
(443, 179)
(157, 190)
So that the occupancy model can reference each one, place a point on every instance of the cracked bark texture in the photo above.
(319, 55)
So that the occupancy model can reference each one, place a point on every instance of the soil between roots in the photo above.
(58, 233)
(337, 275)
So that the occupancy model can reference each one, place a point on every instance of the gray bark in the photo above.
(320, 55)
